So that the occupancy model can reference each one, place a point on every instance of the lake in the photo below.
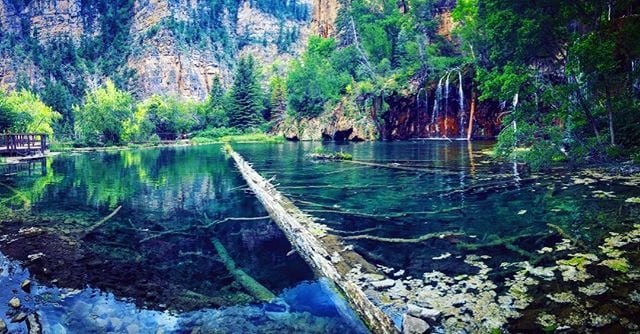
(170, 240)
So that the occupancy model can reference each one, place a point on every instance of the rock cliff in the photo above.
(164, 55)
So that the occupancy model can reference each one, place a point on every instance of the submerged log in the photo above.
(252, 286)
(297, 226)
(419, 239)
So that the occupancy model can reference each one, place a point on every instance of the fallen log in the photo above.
(252, 286)
(419, 239)
(298, 228)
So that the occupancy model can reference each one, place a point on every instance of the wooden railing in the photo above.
(23, 143)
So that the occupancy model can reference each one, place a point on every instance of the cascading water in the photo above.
(436, 105)
(439, 94)
(461, 102)
(446, 102)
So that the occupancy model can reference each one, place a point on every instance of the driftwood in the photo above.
(298, 228)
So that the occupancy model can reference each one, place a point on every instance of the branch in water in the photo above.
(405, 240)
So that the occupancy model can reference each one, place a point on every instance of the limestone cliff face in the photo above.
(324, 17)
(46, 19)
(342, 123)
(162, 60)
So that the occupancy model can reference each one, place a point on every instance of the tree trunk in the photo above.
(610, 113)
(471, 114)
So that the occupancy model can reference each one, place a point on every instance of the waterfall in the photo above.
(461, 101)
(446, 102)
(436, 104)
(515, 127)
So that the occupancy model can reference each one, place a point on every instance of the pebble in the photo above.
(413, 325)
(14, 302)
(398, 273)
(3, 327)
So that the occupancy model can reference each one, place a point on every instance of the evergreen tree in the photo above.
(214, 109)
(278, 98)
(246, 96)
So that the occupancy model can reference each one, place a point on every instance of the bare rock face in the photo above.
(50, 19)
(338, 124)
(325, 13)
(256, 25)
(148, 13)
(162, 67)
(162, 61)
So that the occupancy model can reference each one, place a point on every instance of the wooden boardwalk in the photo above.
(23, 144)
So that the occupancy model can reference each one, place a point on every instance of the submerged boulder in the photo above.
(413, 325)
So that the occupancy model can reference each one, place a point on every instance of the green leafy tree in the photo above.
(169, 116)
(25, 112)
(312, 82)
(246, 97)
(100, 119)
(278, 98)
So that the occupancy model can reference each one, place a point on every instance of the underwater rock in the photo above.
(30, 232)
(3, 327)
(14, 303)
(546, 273)
(442, 256)
(36, 256)
(599, 320)
(33, 324)
(620, 265)
(384, 284)
(423, 313)
(413, 325)
(547, 321)
(26, 286)
(19, 317)
(595, 289)
(634, 200)
(399, 273)
(563, 297)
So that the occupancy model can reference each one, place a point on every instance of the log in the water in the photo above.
(297, 227)
(252, 286)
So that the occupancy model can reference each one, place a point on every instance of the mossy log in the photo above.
(298, 228)
(252, 286)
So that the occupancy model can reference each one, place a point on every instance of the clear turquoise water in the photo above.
(153, 263)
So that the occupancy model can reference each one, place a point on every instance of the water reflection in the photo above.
(140, 225)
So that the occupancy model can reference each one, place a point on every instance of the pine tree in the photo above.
(246, 96)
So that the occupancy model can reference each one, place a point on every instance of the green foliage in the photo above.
(169, 116)
(227, 135)
(313, 81)
(246, 96)
(100, 119)
(23, 112)
(277, 98)
(570, 65)
(213, 111)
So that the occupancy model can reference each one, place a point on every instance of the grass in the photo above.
(257, 137)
